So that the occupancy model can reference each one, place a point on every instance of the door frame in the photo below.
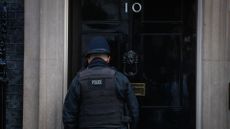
(198, 59)
(66, 42)
(199, 64)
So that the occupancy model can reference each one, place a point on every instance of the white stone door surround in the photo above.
(45, 63)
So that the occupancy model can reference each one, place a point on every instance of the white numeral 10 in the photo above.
(136, 7)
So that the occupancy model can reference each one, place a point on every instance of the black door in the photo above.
(153, 43)
(3, 62)
(2, 105)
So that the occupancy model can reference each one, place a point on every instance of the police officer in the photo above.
(100, 97)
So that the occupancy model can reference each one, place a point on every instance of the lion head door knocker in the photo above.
(130, 63)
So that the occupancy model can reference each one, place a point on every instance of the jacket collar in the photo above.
(97, 62)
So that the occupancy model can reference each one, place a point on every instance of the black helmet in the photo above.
(97, 45)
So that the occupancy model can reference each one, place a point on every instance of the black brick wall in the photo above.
(14, 59)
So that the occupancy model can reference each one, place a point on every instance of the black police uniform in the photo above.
(98, 98)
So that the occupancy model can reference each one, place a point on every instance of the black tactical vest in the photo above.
(99, 106)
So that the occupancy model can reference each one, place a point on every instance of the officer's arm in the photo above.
(125, 91)
(70, 109)
(133, 106)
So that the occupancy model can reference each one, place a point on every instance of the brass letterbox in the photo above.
(139, 89)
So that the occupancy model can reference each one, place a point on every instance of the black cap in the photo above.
(98, 45)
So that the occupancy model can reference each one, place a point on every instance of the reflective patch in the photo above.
(96, 83)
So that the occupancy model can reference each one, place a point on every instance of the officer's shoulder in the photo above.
(120, 75)
(81, 71)
(76, 77)
(113, 68)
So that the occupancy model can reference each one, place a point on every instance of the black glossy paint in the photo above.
(163, 35)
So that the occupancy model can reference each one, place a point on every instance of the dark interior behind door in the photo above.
(155, 48)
